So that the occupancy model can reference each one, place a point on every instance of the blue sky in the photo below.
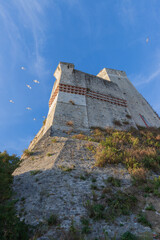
(35, 35)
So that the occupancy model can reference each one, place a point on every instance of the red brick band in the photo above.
(88, 93)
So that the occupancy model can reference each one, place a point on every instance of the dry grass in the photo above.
(139, 175)
(90, 146)
(27, 153)
(158, 137)
(80, 136)
(135, 149)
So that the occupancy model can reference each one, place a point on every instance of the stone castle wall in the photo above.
(81, 101)
(86, 101)
(141, 112)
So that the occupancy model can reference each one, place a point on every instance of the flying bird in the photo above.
(11, 101)
(36, 81)
(44, 117)
(34, 119)
(23, 68)
(147, 39)
(28, 86)
(28, 108)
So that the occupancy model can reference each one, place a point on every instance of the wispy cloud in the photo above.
(29, 17)
(127, 12)
(142, 79)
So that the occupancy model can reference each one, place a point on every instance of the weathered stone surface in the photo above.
(57, 179)
(95, 101)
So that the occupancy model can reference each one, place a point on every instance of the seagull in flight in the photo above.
(36, 81)
(11, 101)
(34, 119)
(147, 39)
(28, 86)
(28, 108)
(23, 68)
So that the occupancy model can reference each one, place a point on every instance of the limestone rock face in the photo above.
(60, 179)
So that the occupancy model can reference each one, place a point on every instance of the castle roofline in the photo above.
(68, 64)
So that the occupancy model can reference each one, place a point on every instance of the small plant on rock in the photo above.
(34, 172)
(54, 140)
(143, 220)
(128, 236)
(96, 211)
(67, 168)
(114, 181)
(49, 154)
(85, 222)
(150, 207)
(53, 220)
(27, 153)
(72, 102)
(70, 123)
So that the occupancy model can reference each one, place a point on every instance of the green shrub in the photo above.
(128, 236)
(53, 220)
(11, 228)
(94, 187)
(85, 228)
(150, 207)
(49, 154)
(114, 181)
(143, 220)
(82, 177)
(95, 211)
(120, 204)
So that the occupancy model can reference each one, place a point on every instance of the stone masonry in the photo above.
(82, 101)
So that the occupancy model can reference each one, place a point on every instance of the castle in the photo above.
(82, 101)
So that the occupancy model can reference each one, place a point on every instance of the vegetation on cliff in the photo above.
(11, 228)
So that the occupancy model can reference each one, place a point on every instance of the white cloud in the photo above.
(29, 17)
(127, 12)
(142, 79)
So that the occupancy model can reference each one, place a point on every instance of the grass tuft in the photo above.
(27, 153)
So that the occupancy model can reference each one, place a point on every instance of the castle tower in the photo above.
(141, 112)
(82, 101)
